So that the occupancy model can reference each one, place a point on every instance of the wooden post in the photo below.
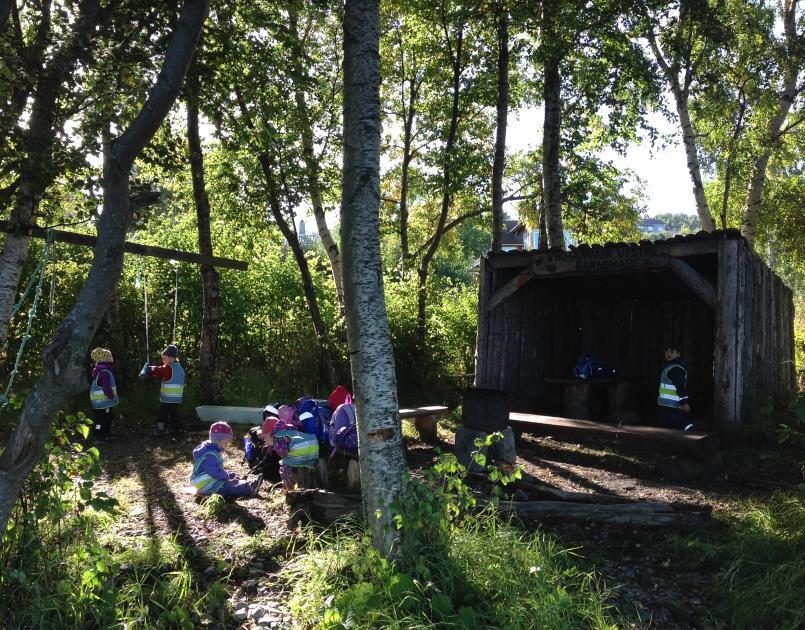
(724, 394)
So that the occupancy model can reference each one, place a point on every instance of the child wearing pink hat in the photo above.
(209, 476)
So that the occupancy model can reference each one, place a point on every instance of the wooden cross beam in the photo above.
(137, 249)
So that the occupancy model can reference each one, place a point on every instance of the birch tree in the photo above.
(792, 63)
(382, 461)
(65, 356)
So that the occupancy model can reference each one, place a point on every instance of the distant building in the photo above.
(512, 237)
(651, 226)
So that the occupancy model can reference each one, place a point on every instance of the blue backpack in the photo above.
(314, 415)
(590, 366)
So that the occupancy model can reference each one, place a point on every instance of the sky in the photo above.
(664, 170)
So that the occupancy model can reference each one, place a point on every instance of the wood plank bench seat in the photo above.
(697, 444)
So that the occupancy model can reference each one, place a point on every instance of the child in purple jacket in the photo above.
(102, 393)
(209, 476)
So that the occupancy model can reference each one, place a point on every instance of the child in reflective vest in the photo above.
(102, 393)
(673, 404)
(171, 390)
(209, 476)
(297, 449)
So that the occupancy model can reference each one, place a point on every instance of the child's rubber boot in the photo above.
(256, 485)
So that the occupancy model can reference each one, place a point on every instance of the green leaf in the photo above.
(441, 605)
(83, 429)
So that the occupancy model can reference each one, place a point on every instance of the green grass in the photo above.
(759, 562)
(489, 575)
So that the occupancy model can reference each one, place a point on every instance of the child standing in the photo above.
(673, 404)
(209, 476)
(297, 449)
(102, 393)
(171, 390)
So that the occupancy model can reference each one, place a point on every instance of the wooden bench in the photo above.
(578, 399)
(697, 444)
(425, 420)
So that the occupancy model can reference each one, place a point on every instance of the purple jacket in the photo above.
(213, 466)
(103, 377)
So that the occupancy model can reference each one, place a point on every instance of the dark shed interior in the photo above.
(625, 303)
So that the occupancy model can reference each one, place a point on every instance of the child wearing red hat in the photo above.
(209, 476)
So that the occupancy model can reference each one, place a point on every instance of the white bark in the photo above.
(688, 134)
(382, 461)
(757, 179)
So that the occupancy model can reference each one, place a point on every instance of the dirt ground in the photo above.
(148, 476)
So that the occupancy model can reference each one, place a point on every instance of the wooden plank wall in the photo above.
(766, 337)
(538, 333)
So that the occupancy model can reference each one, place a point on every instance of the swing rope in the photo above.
(145, 302)
(175, 297)
(37, 277)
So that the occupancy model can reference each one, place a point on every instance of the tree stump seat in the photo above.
(425, 420)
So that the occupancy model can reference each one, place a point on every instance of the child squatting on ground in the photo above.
(209, 476)
(171, 390)
(297, 449)
(102, 393)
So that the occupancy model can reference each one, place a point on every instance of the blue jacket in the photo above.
(208, 468)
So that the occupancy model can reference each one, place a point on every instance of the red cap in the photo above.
(269, 424)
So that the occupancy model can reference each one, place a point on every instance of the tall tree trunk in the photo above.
(65, 356)
(409, 114)
(5, 10)
(311, 164)
(37, 169)
(680, 93)
(552, 125)
(117, 339)
(275, 204)
(757, 179)
(382, 460)
(208, 349)
(728, 168)
(499, 163)
(456, 62)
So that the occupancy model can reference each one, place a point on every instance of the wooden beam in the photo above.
(694, 281)
(87, 240)
(512, 286)
(697, 444)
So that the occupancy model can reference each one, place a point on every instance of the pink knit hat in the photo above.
(220, 431)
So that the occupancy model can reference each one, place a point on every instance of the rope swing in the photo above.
(36, 277)
(140, 280)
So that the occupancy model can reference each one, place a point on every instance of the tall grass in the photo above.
(489, 575)
(760, 564)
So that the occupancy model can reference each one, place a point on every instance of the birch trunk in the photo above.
(757, 179)
(680, 94)
(37, 170)
(499, 163)
(65, 357)
(208, 348)
(552, 124)
(312, 166)
(382, 461)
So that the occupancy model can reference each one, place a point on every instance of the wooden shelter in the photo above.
(623, 302)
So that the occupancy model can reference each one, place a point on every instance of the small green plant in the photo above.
(213, 506)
